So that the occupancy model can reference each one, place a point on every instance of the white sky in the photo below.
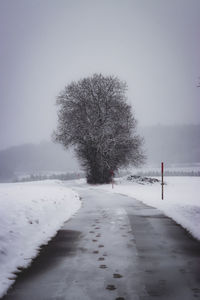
(44, 44)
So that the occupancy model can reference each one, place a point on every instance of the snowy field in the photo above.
(181, 198)
(30, 215)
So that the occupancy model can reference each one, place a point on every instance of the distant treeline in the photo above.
(71, 176)
(169, 173)
(33, 177)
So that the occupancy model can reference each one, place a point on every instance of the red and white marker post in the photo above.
(162, 181)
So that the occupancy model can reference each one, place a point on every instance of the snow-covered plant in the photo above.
(94, 117)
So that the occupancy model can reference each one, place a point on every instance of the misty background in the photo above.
(178, 146)
(153, 45)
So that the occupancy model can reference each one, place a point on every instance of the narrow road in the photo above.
(114, 248)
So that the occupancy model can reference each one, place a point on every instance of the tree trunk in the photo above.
(96, 175)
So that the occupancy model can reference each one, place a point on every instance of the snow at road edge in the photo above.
(30, 215)
(181, 198)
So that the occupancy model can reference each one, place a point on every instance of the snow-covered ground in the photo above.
(30, 214)
(181, 198)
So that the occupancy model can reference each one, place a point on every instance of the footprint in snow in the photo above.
(103, 267)
(111, 287)
(117, 275)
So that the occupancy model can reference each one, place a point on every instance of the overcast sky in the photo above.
(154, 45)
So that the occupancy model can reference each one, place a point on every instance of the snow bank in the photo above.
(181, 199)
(30, 214)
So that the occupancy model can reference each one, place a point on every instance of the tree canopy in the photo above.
(95, 118)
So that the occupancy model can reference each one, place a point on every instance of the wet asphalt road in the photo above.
(114, 248)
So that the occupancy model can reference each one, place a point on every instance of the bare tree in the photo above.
(94, 117)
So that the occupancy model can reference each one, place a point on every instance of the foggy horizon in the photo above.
(48, 139)
(153, 46)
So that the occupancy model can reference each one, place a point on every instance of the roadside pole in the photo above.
(112, 176)
(162, 182)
